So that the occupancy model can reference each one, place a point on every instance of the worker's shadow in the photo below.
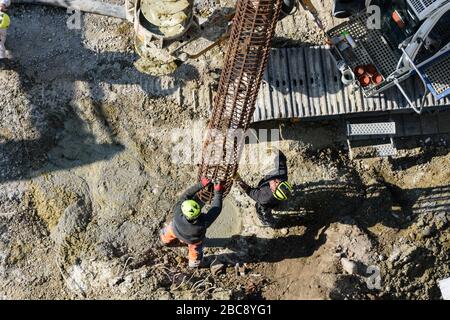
(55, 65)
(312, 206)
(427, 154)
(316, 206)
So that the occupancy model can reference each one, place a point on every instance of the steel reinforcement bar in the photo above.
(245, 61)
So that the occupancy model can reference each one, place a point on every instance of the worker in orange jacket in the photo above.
(189, 224)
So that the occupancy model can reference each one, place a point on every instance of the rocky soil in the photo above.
(89, 173)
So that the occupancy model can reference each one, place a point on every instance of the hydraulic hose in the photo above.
(90, 6)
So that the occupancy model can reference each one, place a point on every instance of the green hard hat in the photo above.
(4, 21)
(283, 190)
(191, 209)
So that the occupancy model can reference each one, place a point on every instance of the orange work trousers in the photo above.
(195, 255)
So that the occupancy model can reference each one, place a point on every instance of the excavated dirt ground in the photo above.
(88, 177)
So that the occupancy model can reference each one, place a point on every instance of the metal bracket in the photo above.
(403, 92)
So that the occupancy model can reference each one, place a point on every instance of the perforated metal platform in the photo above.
(373, 47)
(304, 82)
(424, 8)
(439, 77)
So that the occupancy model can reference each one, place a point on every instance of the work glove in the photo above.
(218, 186)
(205, 181)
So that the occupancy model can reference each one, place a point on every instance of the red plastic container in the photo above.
(377, 79)
(398, 19)
(371, 70)
(365, 80)
(359, 71)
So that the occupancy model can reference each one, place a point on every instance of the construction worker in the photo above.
(4, 25)
(189, 224)
(271, 191)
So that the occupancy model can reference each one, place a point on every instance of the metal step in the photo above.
(371, 132)
(372, 151)
(385, 150)
(371, 129)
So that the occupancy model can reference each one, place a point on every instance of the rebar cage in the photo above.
(245, 61)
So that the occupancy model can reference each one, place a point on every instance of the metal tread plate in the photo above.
(368, 129)
(385, 150)
(303, 82)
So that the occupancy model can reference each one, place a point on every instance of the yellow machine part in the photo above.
(164, 7)
(170, 17)
(167, 20)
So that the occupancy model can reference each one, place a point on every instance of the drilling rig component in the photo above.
(288, 7)
(245, 61)
(167, 13)
(90, 6)
(165, 19)
(163, 55)
(167, 7)
(309, 7)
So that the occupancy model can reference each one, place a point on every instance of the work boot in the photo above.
(195, 264)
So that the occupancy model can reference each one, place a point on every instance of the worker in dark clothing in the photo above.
(189, 224)
(271, 191)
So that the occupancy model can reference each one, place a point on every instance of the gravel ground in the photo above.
(87, 178)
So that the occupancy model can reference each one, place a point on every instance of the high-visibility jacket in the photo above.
(193, 232)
